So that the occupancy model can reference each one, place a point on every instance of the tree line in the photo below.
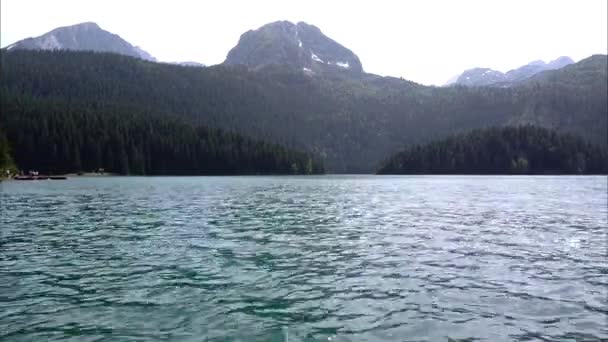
(54, 136)
(507, 150)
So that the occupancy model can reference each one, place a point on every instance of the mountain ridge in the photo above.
(491, 77)
(296, 44)
(86, 36)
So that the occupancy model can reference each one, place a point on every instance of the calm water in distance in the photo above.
(329, 258)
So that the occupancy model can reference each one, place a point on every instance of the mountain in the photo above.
(559, 63)
(351, 123)
(480, 77)
(590, 72)
(348, 118)
(586, 115)
(490, 77)
(452, 80)
(300, 45)
(82, 37)
(506, 150)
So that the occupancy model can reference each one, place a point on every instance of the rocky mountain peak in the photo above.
(490, 77)
(560, 62)
(299, 45)
(87, 36)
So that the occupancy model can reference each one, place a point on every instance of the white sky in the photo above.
(427, 41)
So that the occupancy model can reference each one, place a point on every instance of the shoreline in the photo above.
(90, 174)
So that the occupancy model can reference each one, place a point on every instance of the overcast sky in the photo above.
(427, 41)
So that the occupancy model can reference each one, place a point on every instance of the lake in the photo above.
(327, 258)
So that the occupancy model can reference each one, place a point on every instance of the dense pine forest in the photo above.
(53, 137)
(6, 160)
(508, 150)
(351, 121)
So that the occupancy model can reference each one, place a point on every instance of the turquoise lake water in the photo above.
(328, 258)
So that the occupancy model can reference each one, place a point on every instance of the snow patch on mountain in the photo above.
(315, 57)
(343, 65)
(297, 45)
(490, 77)
(51, 43)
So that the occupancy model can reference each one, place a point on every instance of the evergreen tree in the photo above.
(6, 162)
(507, 150)
(53, 137)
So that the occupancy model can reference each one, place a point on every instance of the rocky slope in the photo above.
(81, 37)
(489, 77)
(298, 45)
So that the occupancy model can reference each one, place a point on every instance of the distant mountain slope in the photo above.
(589, 72)
(81, 37)
(572, 99)
(298, 45)
(490, 77)
(480, 77)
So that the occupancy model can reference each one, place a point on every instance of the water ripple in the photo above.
(305, 259)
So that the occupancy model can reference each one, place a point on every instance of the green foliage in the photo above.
(6, 162)
(352, 120)
(59, 137)
(520, 165)
(508, 150)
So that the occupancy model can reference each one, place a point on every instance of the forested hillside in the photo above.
(55, 136)
(351, 120)
(508, 150)
(573, 99)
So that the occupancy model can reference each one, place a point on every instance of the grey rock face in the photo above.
(560, 63)
(489, 77)
(481, 77)
(299, 45)
(82, 37)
